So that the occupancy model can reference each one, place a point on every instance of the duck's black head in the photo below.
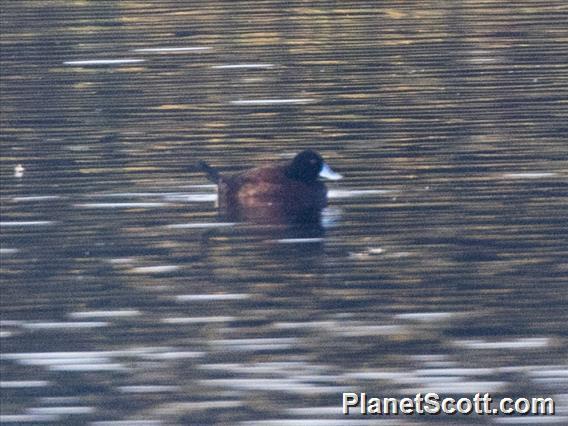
(308, 165)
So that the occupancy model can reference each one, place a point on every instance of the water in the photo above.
(440, 263)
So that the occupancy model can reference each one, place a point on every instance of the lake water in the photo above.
(439, 265)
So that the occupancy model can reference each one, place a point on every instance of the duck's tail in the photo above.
(212, 174)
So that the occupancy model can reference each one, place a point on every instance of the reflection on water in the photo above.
(439, 265)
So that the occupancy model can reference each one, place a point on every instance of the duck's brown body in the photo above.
(286, 190)
(270, 187)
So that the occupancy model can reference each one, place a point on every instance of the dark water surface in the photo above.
(440, 264)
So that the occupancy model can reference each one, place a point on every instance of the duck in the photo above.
(290, 188)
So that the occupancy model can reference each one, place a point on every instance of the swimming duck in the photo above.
(291, 187)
